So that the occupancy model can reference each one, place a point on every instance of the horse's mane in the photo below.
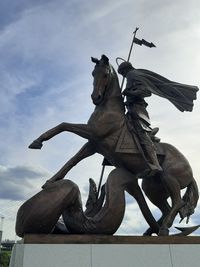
(114, 73)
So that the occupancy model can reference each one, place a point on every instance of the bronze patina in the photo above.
(108, 134)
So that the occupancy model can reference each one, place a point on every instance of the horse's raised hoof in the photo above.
(36, 145)
(163, 232)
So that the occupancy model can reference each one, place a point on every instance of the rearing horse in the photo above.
(103, 131)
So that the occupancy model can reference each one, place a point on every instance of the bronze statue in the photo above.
(140, 84)
(39, 214)
(108, 134)
(63, 198)
(138, 116)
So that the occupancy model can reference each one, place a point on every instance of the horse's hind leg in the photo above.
(174, 190)
(158, 195)
(82, 130)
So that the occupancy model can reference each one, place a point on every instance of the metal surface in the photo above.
(102, 132)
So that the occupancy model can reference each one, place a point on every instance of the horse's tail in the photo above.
(190, 198)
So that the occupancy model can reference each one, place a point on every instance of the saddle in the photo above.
(127, 144)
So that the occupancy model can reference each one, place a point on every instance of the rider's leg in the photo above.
(150, 153)
(147, 147)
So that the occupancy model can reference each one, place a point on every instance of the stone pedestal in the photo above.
(106, 251)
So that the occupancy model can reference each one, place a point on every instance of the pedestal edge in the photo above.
(107, 239)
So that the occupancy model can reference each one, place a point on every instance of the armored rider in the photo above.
(135, 93)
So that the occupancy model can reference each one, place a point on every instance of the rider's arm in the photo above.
(138, 90)
(135, 87)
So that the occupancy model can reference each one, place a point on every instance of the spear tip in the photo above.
(136, 29)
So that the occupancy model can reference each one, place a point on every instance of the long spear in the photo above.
(129, 55)
(138, 42)
(131, 48)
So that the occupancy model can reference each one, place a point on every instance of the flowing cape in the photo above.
(181, 95)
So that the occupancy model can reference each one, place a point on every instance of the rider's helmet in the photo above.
(124, 66)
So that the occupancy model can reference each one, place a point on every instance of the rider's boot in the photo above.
(153, 164)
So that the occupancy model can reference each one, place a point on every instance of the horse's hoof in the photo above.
(36, 145)
(163, 232)
(148, 232)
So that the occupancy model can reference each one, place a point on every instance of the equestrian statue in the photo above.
(118, 136)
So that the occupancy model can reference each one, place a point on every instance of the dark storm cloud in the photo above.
(16, 182)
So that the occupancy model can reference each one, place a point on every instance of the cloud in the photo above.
(133, 223)
(14, 10)
(17, 182)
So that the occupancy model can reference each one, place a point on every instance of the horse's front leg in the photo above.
(82, 130)
(86, 151)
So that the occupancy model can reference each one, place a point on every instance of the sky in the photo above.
(45, 78)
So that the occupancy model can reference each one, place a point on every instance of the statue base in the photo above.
(104, 251)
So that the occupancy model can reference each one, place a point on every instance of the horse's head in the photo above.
(104, 75)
